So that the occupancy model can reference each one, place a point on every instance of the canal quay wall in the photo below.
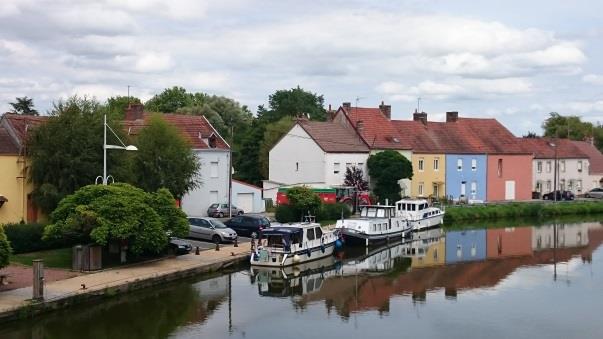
(509, 210)
(17, 304)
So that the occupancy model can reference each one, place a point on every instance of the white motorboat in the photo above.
(377, 224)
(419, 214)
(289, 244)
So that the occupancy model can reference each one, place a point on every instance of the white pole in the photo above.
(230, 170)
(105, 151)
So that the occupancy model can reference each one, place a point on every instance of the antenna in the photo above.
(129, 94)
(358, 99)
(418, 104)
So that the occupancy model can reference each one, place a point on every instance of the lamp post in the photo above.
(105, 177)
(552, 144)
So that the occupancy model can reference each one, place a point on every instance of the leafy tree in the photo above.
(571, 127)
(303, 200)
(531, 135)
(246, 159)
(5, 249)
(272, 134)
(67, 152)
(387, 168)
(165, 159)
(293, 102)
(355, 177)
(171, 99)
(116, 106)
(118, 213)
(23, 105)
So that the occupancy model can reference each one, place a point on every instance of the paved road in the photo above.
(207, 244)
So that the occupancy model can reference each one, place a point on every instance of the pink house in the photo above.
(509, 177)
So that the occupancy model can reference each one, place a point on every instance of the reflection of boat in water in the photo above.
(376, 259)
(294, 280)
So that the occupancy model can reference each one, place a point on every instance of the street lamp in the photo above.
(105, 177)
(552, 144)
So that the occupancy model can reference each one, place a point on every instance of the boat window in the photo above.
(381, 213)
(310, 234)
(364, 211)
(390, 226)
(318, 231)
(295, 238)
(310, 285)
(372, 212)
(275, 241)
(403, 207)
(374, 227)
(413, 207)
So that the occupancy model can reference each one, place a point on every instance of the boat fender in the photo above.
(338, 244)
(322, 248)
(256, 257)
(296, 259)
(309, 252)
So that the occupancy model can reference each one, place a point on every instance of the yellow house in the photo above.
(16, 204)
(429, 175)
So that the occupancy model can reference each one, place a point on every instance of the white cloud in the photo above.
(593, 79)
(153, 62)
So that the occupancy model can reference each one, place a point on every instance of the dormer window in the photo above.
(212, 141)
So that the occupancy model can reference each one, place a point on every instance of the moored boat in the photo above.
(377, 224)
(290, 244)
(419, 213)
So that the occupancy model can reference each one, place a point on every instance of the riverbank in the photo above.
(17, 304)
(493, 212)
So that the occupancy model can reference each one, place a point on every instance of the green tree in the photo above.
(67, 152)
(246, 161)
(387, 168)
(272, 134)
(293, 102)
(116, 106)
(303, 200)
(531, 135)
(171, 99)
(5, 249)
(118, 213)
(570, 127)
(23, 105)
(165, 159)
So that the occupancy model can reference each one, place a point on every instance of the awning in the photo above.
(438, 182)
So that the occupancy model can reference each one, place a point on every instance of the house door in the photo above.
(510, 190)
(435, 191)
(245, 202)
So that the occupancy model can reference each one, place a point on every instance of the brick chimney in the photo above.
(452, 116)
(422, 117)
(386, 110)
(134, 111)
(360, 126)
(346, 106)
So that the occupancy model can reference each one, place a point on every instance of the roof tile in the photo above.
(334, 138)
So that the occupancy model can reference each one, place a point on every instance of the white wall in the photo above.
(296, 159)
(258, 202)
(332, 178)
(570, 173)
(196, 202)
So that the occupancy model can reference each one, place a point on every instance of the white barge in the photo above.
(419, 214)
(377, 224)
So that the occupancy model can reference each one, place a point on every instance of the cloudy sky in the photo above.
(513, 60)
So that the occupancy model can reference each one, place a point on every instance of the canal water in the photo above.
(514, 282)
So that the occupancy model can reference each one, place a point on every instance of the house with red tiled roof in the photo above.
(571, 162)
(595, 160)
(314, 153)
(16, 203)
(213, 154)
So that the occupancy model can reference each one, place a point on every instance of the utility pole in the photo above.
(555, 175)
(230, 169)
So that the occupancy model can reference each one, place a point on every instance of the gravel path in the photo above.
(22, 276)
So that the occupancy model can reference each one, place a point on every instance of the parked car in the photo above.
(179, 246)
(248, 224)
(221, 210)
(595, 193)
(210, 229)
(561, 195)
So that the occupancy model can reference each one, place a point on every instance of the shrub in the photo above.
(28, 238)
(286, 213)
(4, 249)
(333, 211)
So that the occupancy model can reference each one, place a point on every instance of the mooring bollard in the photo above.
(217, 246)
(197, 251)
(236, 242)
(38, 279)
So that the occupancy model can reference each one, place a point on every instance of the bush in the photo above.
(26, 238)
(287, 213)
(4, 249)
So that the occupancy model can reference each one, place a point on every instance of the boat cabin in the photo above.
(412, 205)
(377, 211)
(286, 237)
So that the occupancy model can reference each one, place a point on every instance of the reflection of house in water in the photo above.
(469, 245)
(211, 293)
(428, 248)
(568, 235)
(509, 242)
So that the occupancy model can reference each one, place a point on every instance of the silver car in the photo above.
(221, 210)
(210, 229)
(595, 193)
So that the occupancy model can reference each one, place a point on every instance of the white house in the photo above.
(572, 165)
(314, 153)
(595, 168)
(212, 153)
(247, 197)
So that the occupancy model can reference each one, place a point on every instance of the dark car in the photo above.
(561, 195)
(179, 246)
(248, 224)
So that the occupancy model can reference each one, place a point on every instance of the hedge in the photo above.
(286, 213)
(26, 238)
(5, 249)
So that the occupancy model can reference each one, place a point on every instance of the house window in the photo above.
(297, 167)
(421, 161)
(360, 165)
(336, 166)
(474, 165)
(539, 167)
(570, 185)
(562, 185)
(436, 164)
(562, 165)
(548, 167)
(548, 185)
(579, 165)
(538, 186)
(436, 190)
(213, 169)
(459, 165)
(500, 168)
(348, 165)
(473, 187)
(421, 189)
(463, 188)
(579, 186)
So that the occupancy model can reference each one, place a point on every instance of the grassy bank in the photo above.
(459, 214)
(57, 258)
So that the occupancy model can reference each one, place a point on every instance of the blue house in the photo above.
(466, 176)
(467, 245)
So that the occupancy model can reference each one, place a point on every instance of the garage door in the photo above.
(245, 202)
